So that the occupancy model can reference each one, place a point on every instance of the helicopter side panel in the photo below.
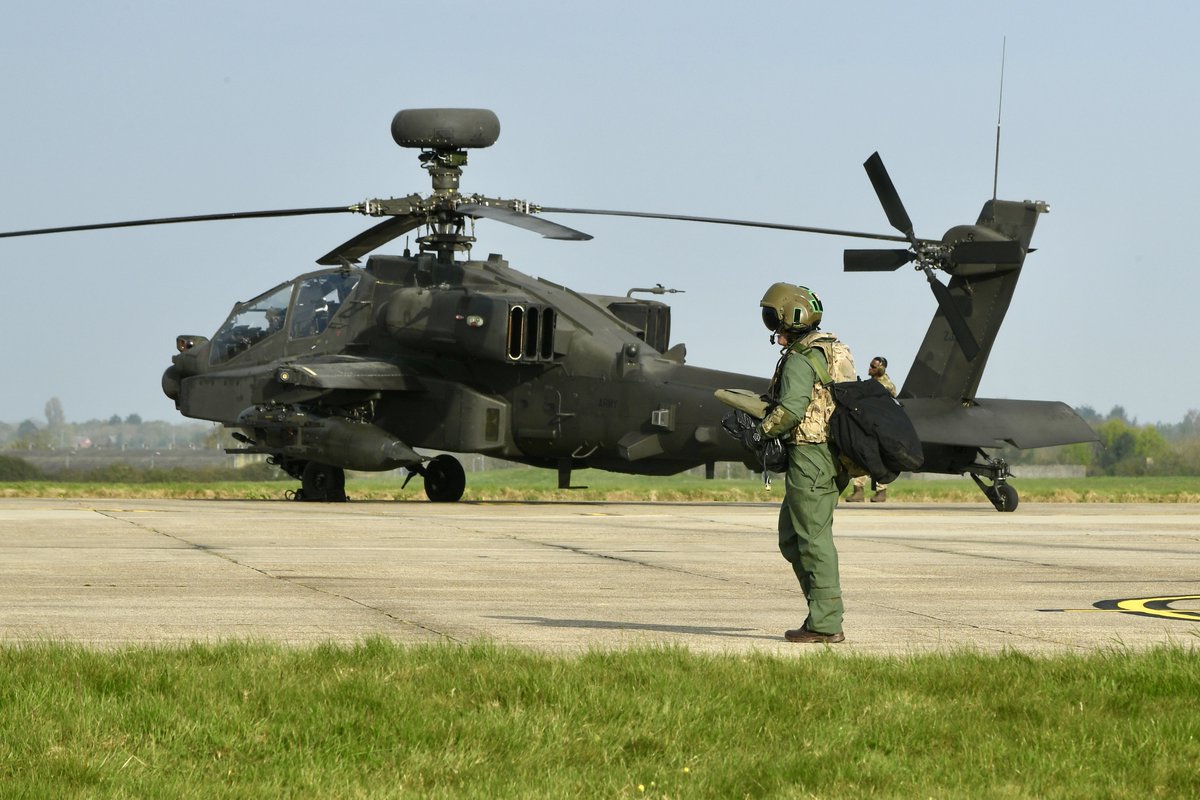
(219, 396)
(659, 418)
(345, 372)
(448, 415)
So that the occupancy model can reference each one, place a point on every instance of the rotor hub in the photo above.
(445, 169)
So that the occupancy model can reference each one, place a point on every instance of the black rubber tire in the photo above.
(323, 483)
(1008, 498)
(445, 479)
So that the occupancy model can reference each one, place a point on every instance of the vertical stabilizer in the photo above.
(981, 293)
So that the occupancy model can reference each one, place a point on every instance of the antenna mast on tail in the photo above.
(999, 111)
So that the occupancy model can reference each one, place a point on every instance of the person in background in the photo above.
(877, 371)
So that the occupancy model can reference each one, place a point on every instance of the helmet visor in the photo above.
(770, 318)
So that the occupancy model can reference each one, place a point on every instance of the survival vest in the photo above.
(838, 367)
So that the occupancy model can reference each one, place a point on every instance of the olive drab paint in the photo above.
(355, 367)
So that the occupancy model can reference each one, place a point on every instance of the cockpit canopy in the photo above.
(303, 308)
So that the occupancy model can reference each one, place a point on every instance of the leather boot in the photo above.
(856, 496)
(880, 496)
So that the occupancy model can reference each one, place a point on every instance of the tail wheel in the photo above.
(1006, 498)
(999, 493)
(445, 479)
(1002, 496)
(323, 483)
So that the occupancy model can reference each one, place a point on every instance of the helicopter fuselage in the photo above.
(354, 367)
(351, 368)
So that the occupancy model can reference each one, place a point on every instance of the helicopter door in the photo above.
(540, 412)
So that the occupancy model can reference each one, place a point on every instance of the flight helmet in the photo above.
(787, 307)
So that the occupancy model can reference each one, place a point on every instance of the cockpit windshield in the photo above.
(317, 299)
(250, 323)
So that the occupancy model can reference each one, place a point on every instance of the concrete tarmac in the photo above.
(569, 577)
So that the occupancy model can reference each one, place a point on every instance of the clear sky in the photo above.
(766, 111)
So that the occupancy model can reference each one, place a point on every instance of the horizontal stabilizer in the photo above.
(992, 423)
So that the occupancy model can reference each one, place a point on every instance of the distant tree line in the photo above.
(115, 433)
(1125, 447)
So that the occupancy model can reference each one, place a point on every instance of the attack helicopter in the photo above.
(353, 367)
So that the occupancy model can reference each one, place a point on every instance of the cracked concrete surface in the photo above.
(568, 577)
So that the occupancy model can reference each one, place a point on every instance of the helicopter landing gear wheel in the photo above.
(445, 479)
(1003, 497)
(1000, 494)
(322, 483)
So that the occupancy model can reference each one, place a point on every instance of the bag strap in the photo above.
(819, 368)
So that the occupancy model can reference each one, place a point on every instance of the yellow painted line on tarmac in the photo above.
(1154, 607)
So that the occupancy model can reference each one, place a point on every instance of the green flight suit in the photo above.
(806, 516)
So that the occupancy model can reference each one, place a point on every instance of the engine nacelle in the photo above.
(501, 328)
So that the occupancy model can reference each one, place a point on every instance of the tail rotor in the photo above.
(928, 255)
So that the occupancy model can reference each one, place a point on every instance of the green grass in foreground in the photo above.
(380, 720)
(529, 484)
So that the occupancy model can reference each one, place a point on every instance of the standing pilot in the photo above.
(801, 419)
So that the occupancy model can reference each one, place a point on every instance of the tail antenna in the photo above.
(999, 111)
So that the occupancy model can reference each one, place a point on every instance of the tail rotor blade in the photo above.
(958, 325)
(1001, 252)
(889, 198)
(875, 260)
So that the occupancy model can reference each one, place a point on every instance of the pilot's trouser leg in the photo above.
(806, 533)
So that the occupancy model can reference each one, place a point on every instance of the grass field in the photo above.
(379, 720)
(260, 720)
(538, 484)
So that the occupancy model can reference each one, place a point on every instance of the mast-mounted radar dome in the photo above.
(442, 128)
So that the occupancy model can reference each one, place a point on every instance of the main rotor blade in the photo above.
(889, 198)
(722, 221)
(548, 229)
(875, 260)
(983, 252)
(285, 212)
(958, 325)
(372, 237)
